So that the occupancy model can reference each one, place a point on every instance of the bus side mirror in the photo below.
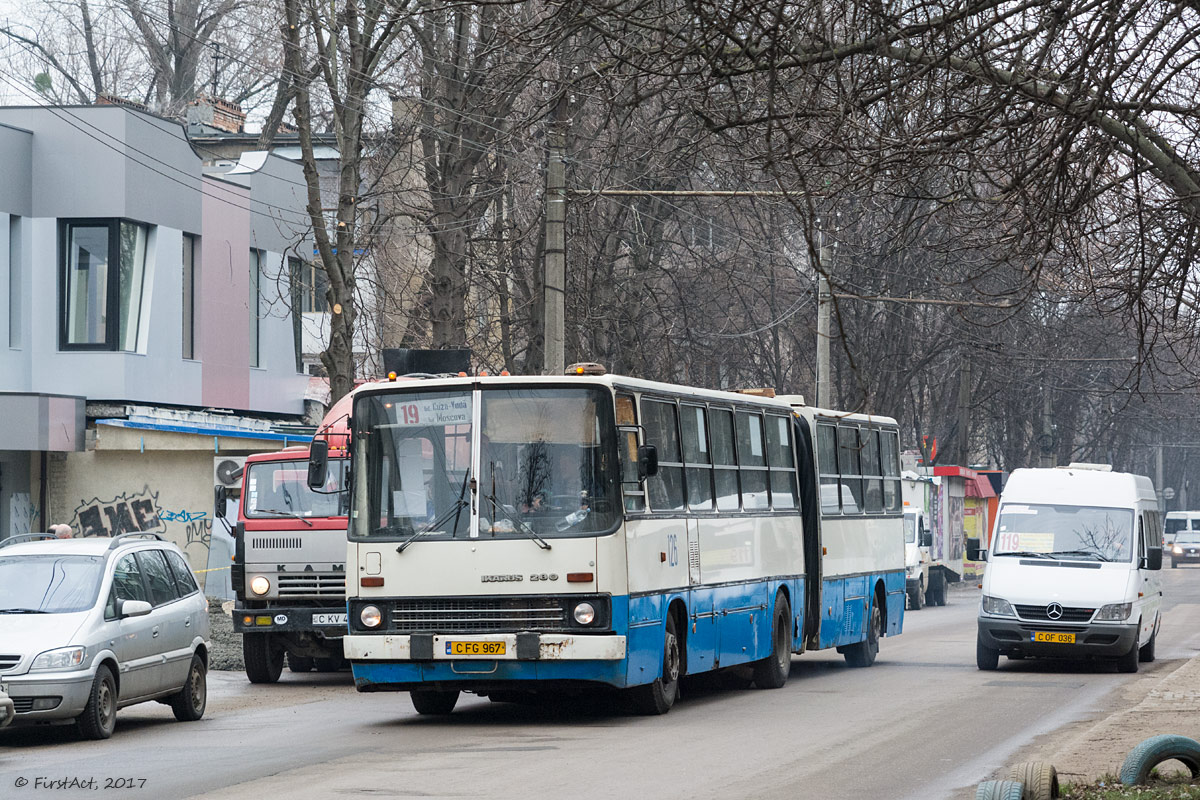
(220, 495)
(647, 461)
(926, 539)
(1153, 558)
(974, 552)
(318, 464)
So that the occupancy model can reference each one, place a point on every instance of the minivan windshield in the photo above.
(910, 528)
(49, 584)
(1062, 531)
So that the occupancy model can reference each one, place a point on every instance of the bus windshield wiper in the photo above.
(1094, 554)
(283, 513)
(517, 523)
(453, 511)
(1027, 554)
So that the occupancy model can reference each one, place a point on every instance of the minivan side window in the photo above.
(127, 579)
(185, 582)
(158, 576)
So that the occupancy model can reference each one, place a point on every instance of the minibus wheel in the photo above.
(1129, 661)
(986, 658)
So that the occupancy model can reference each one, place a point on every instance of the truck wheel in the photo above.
(433, 702)
(99, 716)
(1155, 750)
(1039, 778)
(862, 654)
(999, 790)
(943, 586)
(1129, 661)
(986, 658)
(189, 704)
(772, 671)
(299, 663)
(916, 599)
(264, 660)
(657, 697)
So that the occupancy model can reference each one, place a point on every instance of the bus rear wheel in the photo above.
(657, 697)
(772, 671)
(433, 702)
(862, 654)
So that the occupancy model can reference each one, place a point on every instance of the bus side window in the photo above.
(752, 460)
(782, 461)
(696, 455)
(827, 468)
(665, 487)
(872, 473)
(849, 469)
(889, 454)
(627, 445)
(725, 472)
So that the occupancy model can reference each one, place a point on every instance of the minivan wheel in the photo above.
(99, 716)
(1129, 661)
(192, 699)
(986, 658)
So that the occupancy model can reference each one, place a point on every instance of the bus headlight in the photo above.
(998, 606)
(584, 613)
(371, 616)
(260, 585)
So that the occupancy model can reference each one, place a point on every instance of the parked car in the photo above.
(1185, 549)
(89, 626)
(6, 709)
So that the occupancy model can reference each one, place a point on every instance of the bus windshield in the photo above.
(1102, 534)
(544, 465)
(280, 489)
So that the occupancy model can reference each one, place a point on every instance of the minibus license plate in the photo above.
(475, 648)
(1052, 637)
(329, 619)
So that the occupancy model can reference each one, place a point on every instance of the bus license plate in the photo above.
(1052, 637)
(329, 619)
(475, 648)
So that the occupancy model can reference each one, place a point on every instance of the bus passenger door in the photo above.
(702, 630)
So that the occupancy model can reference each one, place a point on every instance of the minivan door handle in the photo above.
(155, 632)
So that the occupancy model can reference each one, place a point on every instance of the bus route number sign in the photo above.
(434, 411)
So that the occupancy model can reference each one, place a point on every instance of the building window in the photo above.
(103, 274)
(313, 284)
(14, 281)
(255, 300)
(188, 312)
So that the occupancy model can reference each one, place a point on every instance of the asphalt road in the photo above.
(921, 723)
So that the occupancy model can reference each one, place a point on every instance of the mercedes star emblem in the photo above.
(1054, 611)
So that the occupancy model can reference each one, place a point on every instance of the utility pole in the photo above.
(964, 413)
(216, 57)
(824, 320)
(554, 260)
(1158, 477)
(1046, 440)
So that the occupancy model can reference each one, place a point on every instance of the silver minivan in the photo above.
(88, 626)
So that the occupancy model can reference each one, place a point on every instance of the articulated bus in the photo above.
(515, 534)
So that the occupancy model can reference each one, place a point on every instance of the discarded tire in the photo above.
(1154, 751)
(999, 790)
(1039, 779)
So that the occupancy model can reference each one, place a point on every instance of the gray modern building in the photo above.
(146, 325)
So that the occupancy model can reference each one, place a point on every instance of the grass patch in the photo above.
(1171, 787)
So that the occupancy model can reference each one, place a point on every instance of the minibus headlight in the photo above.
(997, 606)
(584, 613)
(260, 585)
(1115, 612)
(370, 616)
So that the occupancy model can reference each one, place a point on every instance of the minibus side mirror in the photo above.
(647, 461)
(974, 551)
(926, 539)
(318, 464)
(1153, 559)
(220, 495)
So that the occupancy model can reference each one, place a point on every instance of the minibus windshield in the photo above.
(910, 529)
(1067, 532)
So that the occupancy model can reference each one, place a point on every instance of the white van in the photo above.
(1178, 522)
(916, 557)
(1073, 568)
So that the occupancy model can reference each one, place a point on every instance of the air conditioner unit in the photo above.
(227, 471)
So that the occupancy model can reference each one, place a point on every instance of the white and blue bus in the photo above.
(514, 534)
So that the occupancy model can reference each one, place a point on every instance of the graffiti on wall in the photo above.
(128, 512)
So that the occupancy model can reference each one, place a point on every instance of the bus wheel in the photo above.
(862, 654)
(264, 660)
(658, 697)
(432, 701)
(772, 671)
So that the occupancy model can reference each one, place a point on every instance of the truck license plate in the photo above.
(329, 619)
(475, 648)
(1052, 637)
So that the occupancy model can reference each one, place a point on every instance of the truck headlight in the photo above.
(584, 613)
(62, 658)
(1115, 612)
(260, 585)
(371, 616)
(997, 606)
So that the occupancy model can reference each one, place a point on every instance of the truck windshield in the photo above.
(910, 529)
(280, 489)
(1102, 534)
(545, 464)
(49, 584)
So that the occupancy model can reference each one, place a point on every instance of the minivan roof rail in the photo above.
(25, 537)
(1086, 465)
(116, 540)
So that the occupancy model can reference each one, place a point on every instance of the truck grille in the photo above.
(308, 584)
(1038, 614)
(8, 662)
(479, 615)
(276, 543)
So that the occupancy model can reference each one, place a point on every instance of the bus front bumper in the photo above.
(516, 647)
